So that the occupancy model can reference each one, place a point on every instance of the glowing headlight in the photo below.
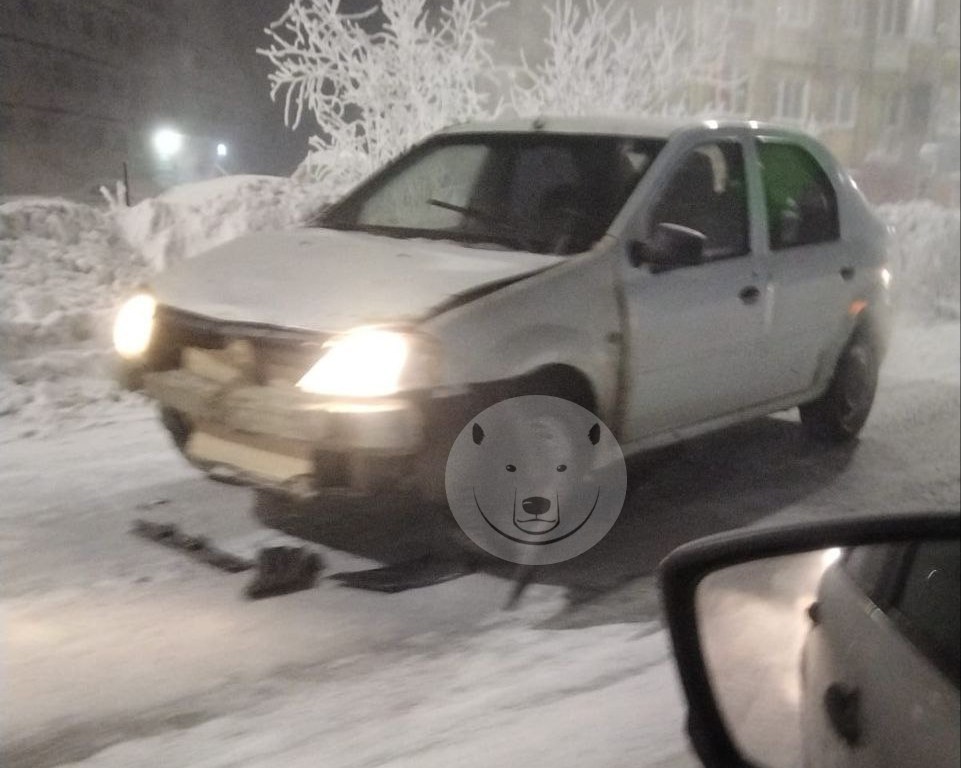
(367, 362)
(134, 325)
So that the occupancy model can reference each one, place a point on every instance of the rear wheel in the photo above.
(840, 413)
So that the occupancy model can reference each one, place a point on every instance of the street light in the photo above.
(167, 142)
(221, 150)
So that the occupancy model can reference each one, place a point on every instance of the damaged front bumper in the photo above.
(277, 436)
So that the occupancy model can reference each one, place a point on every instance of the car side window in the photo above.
(928, 608)
(802, 207)
(708, 193)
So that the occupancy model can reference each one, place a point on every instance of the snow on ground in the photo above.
(117, 652)
(600, 697)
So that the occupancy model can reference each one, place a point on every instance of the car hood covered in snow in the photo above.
(332, 281)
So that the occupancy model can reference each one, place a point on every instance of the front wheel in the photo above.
(840, 413)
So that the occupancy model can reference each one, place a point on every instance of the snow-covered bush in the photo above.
(926, 254)
(601, 58)
(374, 92)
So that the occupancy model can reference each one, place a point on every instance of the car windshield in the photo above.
(547, 193)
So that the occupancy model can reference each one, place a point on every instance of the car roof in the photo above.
(649, 127)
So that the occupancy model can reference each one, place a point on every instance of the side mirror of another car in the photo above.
(779, 645)
(672, 246)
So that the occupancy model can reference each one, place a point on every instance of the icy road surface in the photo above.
(118, 652)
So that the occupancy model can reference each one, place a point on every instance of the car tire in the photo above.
(278, 511)
(561, 383)
(841, 412)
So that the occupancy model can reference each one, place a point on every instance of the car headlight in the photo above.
(367, 362)
(134, 325)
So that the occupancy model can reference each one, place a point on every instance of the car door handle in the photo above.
(750, 295)
(843, 706)
(848, 273)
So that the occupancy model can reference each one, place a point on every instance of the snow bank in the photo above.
(193, 218)
(927, 255)
(64, 267)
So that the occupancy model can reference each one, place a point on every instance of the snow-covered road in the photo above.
(117, 652)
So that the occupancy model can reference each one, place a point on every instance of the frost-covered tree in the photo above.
(602, 58)
(379, 80)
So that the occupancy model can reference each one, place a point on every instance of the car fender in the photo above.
(564, 316)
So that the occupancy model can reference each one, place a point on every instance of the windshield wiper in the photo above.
(508, 234)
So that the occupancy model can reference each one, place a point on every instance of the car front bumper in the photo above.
(280, 437)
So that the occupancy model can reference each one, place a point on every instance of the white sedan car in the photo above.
(673, 278)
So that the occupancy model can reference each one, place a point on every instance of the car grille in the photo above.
(268, 353)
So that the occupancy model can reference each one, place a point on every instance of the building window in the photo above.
(921, 23)
(793, 96)
(893, 18)
(892, 110)
(852, 17)
(845, 105)
(795, 13)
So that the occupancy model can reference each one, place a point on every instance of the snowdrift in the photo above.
(192, 218)
(926, 256)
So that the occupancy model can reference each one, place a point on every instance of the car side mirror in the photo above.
(670, 247)
(769, 627)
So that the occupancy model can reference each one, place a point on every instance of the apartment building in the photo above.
(877, 80)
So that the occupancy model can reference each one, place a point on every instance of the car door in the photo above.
(693, 333)
(892, 662)
(811, 267)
